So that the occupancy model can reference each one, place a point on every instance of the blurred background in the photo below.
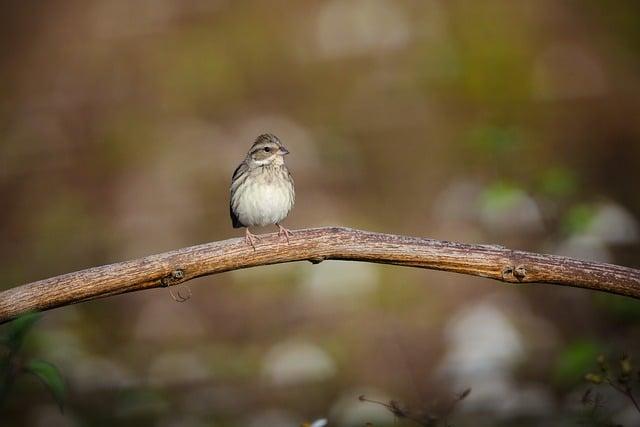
(513, 123)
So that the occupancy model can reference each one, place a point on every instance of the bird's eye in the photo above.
(267, 149)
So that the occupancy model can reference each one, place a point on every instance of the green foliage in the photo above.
(500, 196)
(50, 377)
(573, 361)
(578, 218)
(493, 139)
(14, 364)
(558, 182)
(18, 330)
(620, 307)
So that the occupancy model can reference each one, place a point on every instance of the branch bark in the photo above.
(316, 245)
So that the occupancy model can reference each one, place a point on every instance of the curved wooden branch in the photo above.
(316, 245)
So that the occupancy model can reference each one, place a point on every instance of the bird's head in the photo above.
(267, 150)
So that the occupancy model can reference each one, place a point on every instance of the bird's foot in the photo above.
(251, 238)
(283, 231)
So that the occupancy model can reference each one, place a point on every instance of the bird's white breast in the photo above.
(262, 202)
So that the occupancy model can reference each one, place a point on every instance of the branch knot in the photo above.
(174, 278)
(514, 274)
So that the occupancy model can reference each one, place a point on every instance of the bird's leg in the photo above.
(282, 230)
(251, 238)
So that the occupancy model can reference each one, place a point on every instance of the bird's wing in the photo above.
(241, 169)
(234, 219)
(293, 191)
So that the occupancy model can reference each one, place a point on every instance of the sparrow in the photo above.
(262, 190)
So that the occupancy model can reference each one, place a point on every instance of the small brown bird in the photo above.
(262, 190)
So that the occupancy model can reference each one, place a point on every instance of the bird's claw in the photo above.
(283, 231)
(251, 239)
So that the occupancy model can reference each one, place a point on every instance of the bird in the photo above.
(262, 189)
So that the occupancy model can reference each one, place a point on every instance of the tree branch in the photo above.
(316, 245)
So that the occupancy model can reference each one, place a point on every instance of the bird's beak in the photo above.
(283, 151)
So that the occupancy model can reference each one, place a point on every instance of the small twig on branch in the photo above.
(316, 245)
